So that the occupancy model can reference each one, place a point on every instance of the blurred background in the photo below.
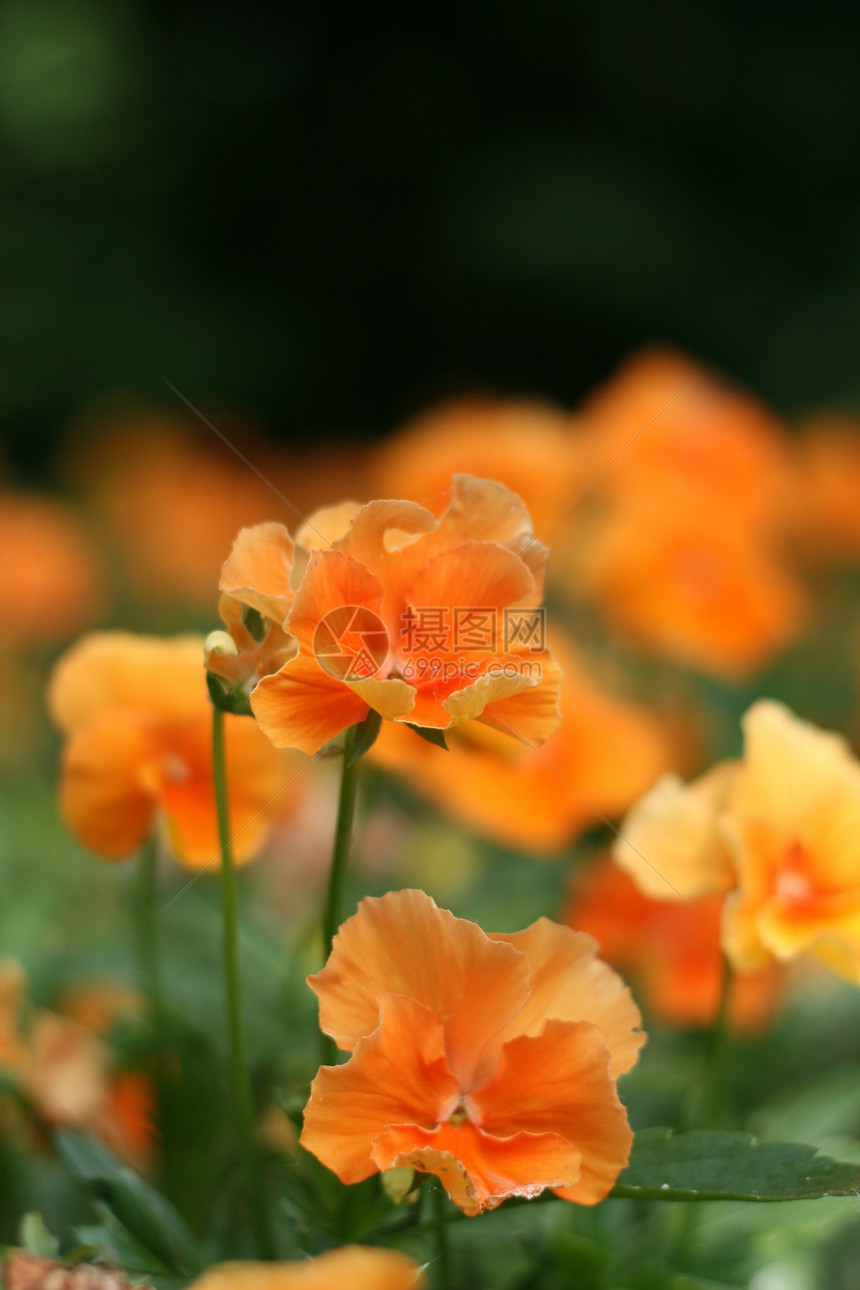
(322, 222)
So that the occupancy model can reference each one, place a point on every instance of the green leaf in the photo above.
(366, 733)
(114, 1244)
(35, 1237)
(140, 1209)
(431, 734)
(665, 1165)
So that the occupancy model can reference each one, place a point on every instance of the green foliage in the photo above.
(698, 1166)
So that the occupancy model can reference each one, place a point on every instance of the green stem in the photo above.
(146, 911)
(240, 1079)
(713, 1101)
(440, 1231)
(342, 840)
(333, 911)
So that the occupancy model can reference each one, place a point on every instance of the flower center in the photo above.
(459, 1116)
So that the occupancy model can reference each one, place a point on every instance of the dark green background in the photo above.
(328, 217)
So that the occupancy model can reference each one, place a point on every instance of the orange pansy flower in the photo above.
(49, 575)
(779, 832)
(679, 536)
(403, 614)
(352, 1267)
(693, 584)
(138, 722)
(490, 1061)
(824, 513)
(671, 948)
(606, 752)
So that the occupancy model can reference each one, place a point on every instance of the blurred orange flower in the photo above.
(67, 1073)
(825, 514)
(49, 576)
(490, 1061)
(363, 608)
(671, 948)
(138, 723)
(681, 536)
(352, 1267)
(779, 832)
(527, 446)
(605, 753)
(135, 465)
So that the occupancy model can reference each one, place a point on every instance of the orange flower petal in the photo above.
(103, 797)
(402, 943)
(352, 1267)
(828, 929)
(257, 570)
(529, 713)
(473, 575)
(398, 1074)
(331, 582)
(483, 510)
(160, 675)
(303, 707)
(671, 842)
(568, 983)
(478, 1170)
(327, 526)
(382, 527)
(559, 1082)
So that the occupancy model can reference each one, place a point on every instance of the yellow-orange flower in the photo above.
(670, 948)
(605, 753)
(779, 832)
(352, 1267)
(390, 565)
(138, 722)
(490, 1061)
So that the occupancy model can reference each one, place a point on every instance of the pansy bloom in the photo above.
(777, 833)
(429, 621)
(352, 1267)
(138, 723)
(488, 1060)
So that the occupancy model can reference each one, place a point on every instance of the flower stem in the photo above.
(146, 914)
(342, 840)
(240, 1079)
(440, 1231)
(339, 863)
(714, 1096)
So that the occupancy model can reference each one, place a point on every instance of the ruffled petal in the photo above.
(567, 982)
(352, 1267)
(559, 1082)
(104, 798)
(398, 1074)
(479, 1170)
(672, 843)
(162, 676)
(401, 943)
(327, 526)
(258, 569)
(530, 713)
(332, 583)
(303, 707)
